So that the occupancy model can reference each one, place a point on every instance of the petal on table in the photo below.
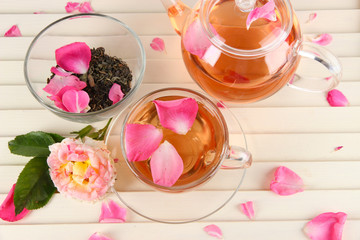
(141, 140)
(57, 83)
(286, 182)
(98, 236)
(248, 209)
(7, 208)
(166, 165)
(74, 57)
(177, 115)
(214, 231)
(312, 17)
(71, 6)
(326, 226)
(336, 98)
(158, 44)
(267, 11)
(323, 39)
(14, 31)
(76, 101)
(115, 93)
(111, 212)
(85, 7)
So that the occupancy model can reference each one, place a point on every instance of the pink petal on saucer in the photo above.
(286, 182)
(74, 57)
(14, 31)
(111, 212)
(85, 7)
(115, 93)
(267, 11)
(57, 83)
(7, 208)
(214, 231)
(76, 101)
(336, 98)
(158, 44)
(98, 236)
(248, 209)
(60, 72)
(323, 39)
(141, 140)
(326, 226)
(220, 104)
(72, 6)
(166, 165)
(177, 115)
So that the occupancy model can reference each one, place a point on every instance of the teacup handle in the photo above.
(326, 58)
(237, 157)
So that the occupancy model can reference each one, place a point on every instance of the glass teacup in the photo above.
(207, 152)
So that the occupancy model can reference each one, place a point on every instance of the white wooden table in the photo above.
(294, 129)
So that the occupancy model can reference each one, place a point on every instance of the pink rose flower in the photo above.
(81, 170)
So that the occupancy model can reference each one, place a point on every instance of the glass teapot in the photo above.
(238, 62)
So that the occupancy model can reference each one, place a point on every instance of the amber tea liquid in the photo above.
(245, 80)
(200, 148)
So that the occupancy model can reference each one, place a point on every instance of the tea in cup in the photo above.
(176, 139)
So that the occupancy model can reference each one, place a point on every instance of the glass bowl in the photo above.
(96, 30)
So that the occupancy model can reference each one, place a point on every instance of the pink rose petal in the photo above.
(286, 182)
(98, 236)
(267, 11)
(76, 101)
(326, 226)
(323, 39)
(338, 148)
(177, 115)
(7, 208)
(336, 98)
(312, 17)
(39, 12)
(141, 140)
(74, 57)
(166, 165)
(14, 31)
(115, 93)
(72, 6)
(57, 83)
(85, 7)
(111, 212)
(60, 72)
(248, 209)
(220, 104)
(214, 231)
(158, 44)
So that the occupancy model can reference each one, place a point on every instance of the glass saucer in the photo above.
(184, 207)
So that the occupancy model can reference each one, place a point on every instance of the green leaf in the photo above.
(100, 135)
(56, 137)
(33, 144)
(83, 132)
(34, 187)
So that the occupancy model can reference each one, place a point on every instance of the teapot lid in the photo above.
(246, 28)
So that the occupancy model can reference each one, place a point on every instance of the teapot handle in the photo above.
(327, 59)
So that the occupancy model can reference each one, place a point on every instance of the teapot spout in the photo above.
(177, 12)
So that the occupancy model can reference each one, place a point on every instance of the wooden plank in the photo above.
(268, 206)
(270, 230)
(174, 71)
(253, 120)
(287, 97)
(108, 6)
(316, 176)
(343, 45)
(266, 147)
(335, 21)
